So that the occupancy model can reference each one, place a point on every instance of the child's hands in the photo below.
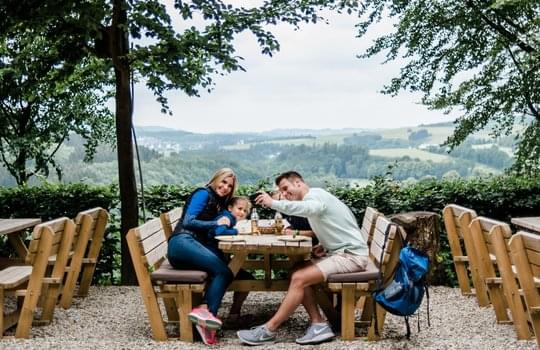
(288, 231)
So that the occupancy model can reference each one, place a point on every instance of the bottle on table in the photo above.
(278, 219)
(254, 222)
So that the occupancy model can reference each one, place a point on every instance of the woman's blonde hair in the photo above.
(219, 176)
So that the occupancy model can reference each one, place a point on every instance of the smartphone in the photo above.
(254, 196)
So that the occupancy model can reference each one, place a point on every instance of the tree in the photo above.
(418, 136)
(43, 101)
(163, 57)
(479, 56)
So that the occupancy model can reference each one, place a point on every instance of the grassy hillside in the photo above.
(411, 152)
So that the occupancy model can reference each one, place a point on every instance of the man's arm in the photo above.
(304, 208)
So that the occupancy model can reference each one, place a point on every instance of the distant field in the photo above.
(438, 134)
(507, 150)
(411, 152)
(320, 140)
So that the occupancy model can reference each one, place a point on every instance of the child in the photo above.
(237, 209)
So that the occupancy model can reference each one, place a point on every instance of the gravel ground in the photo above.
(115, 318)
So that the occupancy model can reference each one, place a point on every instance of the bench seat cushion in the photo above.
(169, 274)
(371, 273)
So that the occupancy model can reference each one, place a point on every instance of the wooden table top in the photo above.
(8, 226)
(530, 223)
(271, 244)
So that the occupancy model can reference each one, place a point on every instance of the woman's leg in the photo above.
(186, 252)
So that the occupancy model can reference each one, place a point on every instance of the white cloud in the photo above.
(315, 81)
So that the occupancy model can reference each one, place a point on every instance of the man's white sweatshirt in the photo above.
(331, 220)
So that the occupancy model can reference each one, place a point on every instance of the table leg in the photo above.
(267, 270)
(237, 261)
(16, 240)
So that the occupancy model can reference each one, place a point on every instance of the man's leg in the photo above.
(310, 304)
(300, 280)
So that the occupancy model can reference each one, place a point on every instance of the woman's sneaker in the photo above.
(203, 317)
(316, 333)
(208, 336)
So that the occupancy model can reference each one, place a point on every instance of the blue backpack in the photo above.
(405, 292)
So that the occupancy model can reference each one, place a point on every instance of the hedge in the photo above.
(499, 197)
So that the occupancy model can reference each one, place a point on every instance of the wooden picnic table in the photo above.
(531, 223)
(270, 247)
(14, 229)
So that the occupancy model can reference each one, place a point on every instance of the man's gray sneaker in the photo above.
(316, 333)
(257, 336)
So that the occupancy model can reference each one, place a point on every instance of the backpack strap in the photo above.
(427, 304)
(408, 327)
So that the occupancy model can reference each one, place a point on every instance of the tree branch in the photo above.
(526, 91)
(501, 30)
(36, 169)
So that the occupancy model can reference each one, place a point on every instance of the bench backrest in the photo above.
(525, 253)
(62, 230)
(368, 224)
(497, 244)
(89, 232)
(148, 244)
(456, 221)
(49, 239)
(94, 221)
(390, 257)
(170, 219)
(481, 229)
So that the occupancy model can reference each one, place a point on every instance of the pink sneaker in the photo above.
(203, 317)
(208, 336)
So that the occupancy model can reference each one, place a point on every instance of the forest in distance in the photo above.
(337, 157)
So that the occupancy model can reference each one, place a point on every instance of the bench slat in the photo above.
(14, 276)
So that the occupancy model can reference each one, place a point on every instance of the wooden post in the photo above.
(422, 228)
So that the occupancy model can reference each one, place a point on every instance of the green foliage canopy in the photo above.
(481, 57)
(44, 99)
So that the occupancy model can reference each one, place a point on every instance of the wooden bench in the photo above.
(157, 279)
(525, 253)
(487, 265)
(90, 229)
(352, 286)
(169, 220)
(499, 234)
(37, 281)
(457, 220)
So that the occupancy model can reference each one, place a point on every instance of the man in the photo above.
(338, 234)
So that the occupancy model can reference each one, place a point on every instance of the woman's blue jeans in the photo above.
(185, 252)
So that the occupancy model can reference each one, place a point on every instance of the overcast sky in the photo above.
(315, 81)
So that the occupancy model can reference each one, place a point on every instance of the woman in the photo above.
(187, 247)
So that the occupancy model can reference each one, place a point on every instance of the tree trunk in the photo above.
(119, 46)
(423, 233)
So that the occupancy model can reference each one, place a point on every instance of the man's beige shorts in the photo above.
(341, 263)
